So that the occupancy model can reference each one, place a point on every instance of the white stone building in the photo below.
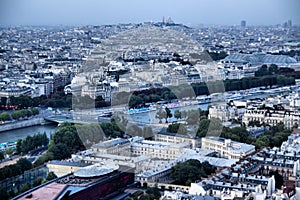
(227, 148)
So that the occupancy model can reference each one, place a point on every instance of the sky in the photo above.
(189, 12)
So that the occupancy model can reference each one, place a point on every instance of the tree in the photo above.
(160, 114)
(19, 146)
(147, 132)
(60, 151)
(262, 71)
(182, 129)
(51, 176)
(168, 114)
(177, 128)
(24, 164)
(153, 193)
(3, 194)
(68, 135)
(3, 101)
(203, 127)
(35, 111)
(193, 116)
(273, 69)
(135, 101)
(254, 123)
(1, 155)
(31, 142)
(177, 114)
(241, 132)
(5, 116)
(190, 171)
(278, 128)
(37, 181)
(44, 158)
(24, 187)
(134, 130)
(215, 127)
(9, 151)
(16, 115)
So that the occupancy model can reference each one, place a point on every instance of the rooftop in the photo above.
(96, 170)
(237, 147)
(111, 143)
(67, 163)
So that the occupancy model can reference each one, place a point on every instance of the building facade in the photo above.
(226, 147)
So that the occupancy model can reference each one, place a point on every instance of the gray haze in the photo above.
(190, 12)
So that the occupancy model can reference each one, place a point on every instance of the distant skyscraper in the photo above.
(243, 23)
(289, 23)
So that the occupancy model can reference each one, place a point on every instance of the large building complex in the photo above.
(165, 136)
(272, 117)
(91, 182)
(227, 148)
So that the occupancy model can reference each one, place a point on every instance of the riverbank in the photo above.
(23, 124)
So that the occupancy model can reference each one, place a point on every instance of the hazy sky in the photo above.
(190, 12)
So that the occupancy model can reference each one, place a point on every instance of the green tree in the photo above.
(182, 129)
(1, 155)
(168, 114)
(241, 132)
(147, 132)
(5, 116)
(35, 111)
(3, 194)
(145, 197)
(9, 151)
(37, 181)
(51, 176)
(68, 135)
(203, 127)
(177, 114)
(24, 187)
(153, 193)
(160, 114)
(60, 151)
(19, 146)
(16, 115)
(173, 128)
(135, 101)
(273, 69)
(3, 101)
(278, 128)
(254, 123)
(134, 130)
(192, 116)
(262, 71)
(190, 171)
(24, 164)
(177, 128)
(44, 158)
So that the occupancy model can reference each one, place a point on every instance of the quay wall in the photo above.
(23, 124)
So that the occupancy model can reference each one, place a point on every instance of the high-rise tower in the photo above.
(243, 23)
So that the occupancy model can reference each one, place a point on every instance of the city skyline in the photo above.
(191, 12)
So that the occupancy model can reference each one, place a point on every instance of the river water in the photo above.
(14, 135)
(146, 117)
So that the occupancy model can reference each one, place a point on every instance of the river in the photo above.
(147, 117)
(14, 135)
